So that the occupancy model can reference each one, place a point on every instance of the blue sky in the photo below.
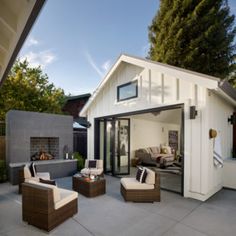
(77, 41)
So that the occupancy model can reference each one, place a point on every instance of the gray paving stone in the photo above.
(149, 226)
(225, 198)
(110, 215)
(212, 220)
(182, 230)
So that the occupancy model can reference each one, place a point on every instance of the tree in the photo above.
(28, 89)
(194, 34)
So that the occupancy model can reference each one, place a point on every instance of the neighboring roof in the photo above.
(205, 80)
(16, 20)
(228, 89)
(82, 121)
(70, 98)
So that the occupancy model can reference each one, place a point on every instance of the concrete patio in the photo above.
(110, 215)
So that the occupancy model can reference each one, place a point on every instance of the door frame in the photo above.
(155, 109)
(113, 143)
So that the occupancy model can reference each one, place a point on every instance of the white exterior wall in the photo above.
(219, 112)
(157, 88)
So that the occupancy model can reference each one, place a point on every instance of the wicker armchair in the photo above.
(142, 195)
(98, 170)
(39, 208)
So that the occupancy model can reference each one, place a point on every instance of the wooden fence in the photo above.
(80, 142)
(2, 148)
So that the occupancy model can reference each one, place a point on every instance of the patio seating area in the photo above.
(109, 214)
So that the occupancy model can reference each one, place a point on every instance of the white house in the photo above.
(140, 101)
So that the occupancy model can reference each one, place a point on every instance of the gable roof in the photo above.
(207, 81)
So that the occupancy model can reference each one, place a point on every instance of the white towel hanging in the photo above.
(217, 153)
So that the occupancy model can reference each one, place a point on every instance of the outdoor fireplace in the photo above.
(44, 148)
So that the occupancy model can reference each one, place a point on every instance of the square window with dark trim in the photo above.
(127, 91)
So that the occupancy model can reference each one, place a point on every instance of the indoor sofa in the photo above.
(160, 157)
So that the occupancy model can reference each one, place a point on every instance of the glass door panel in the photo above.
(121, 158)
(108, 146)
(101, 140)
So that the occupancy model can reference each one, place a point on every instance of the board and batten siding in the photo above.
(159, 88)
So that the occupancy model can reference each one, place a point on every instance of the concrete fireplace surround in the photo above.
(21, 126)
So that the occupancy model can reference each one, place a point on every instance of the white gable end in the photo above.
(158, 84)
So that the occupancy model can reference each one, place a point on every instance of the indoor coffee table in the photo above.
(88, 187)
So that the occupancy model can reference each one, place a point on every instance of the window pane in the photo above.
(127, 91)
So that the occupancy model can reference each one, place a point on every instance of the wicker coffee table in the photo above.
(89, 188)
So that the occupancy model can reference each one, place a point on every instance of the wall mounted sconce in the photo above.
(193, 112)
(232, 119)
(212, 133)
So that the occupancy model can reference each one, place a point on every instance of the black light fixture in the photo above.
(193, 112)
(232, 119)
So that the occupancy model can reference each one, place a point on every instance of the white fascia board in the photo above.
(209, 82)
(122, 58)
(226, 97)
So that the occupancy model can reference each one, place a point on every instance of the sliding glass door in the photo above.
(122, 147)
(114, 145)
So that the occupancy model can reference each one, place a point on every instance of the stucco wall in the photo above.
(21, 125)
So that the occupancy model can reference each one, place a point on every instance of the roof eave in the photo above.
(31, 20)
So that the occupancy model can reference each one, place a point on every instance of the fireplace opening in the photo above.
(44, 148)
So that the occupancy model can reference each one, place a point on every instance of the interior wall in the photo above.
(148, 133)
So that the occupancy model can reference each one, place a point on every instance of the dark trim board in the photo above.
(156, 109)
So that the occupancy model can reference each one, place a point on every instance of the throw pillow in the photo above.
(141, 175)
(166, 149)
(32, 169)
(47, 181)
(92, 164)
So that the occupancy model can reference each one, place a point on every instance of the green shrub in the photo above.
(3, 171)
(80, 160)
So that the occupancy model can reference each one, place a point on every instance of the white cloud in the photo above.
(106, 66)
(32, 42)
(101, 70)
(43, 58)
(93, 64)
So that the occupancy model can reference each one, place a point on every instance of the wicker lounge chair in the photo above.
(98, 170)
(46, 206)
(132, 190)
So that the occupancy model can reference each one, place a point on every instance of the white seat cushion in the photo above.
(35, 179)
(66, 197)
(132, 183)
(95, 171)
(43, 175)
(85, 171)
(92, 171)
(27, 173)
(150, 179)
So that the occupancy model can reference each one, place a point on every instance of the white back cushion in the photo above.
(150, 179)
(99, 164)
(27, 173)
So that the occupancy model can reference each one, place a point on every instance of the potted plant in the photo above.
(80, 160)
